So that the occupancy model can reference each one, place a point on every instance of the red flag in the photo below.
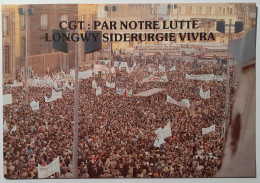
(125, 93)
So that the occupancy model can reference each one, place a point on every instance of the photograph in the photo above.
(133, 90)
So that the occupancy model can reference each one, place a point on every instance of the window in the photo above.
(44, 46)
(5, 25)
(212, 10)
(6, 60)
(203, 10)
(64, 17)
(44, 21)
(231, 11)
(224, 12)
(23, 47)
(22, 21)
(193, 10)
(183, 10)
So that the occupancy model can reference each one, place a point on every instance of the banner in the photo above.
(113, 70)
(120, 91)
(166, 131)
(208, 130)
(46, 171)
(94, 84)
(164, 79)
(7, 99)
(34, 105)
(173, 68)
(98, 67)
(110, 85)
(85, 74)
(5, 127)
(129, 69)
(159, 139)
(205, 77)
(98, 91)
(161, 68)
(68, 86)
(13, 129)
(204, 95)
(183, 103)
(161, 134)
(54, 96)
(15, 84)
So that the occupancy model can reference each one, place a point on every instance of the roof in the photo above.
(150, 92)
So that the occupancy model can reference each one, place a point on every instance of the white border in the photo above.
(190, 180)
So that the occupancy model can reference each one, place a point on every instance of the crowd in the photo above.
(116, 132)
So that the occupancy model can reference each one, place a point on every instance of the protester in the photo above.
(117, 132)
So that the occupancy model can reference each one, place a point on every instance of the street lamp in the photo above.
(26, 12)
(239, 26)
(109, 8)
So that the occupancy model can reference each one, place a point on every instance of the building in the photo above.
(41, 55)
(10, 40)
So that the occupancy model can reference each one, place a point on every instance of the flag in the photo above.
(166, 131)
(46, 171)
(5, 127)
(94, 84)
(204, 95)
(98, 91)
(13, 129)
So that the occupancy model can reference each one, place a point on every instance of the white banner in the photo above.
(173, 68)
(34, 105)
(161, 68)
(98, 91)
(5, 127)
(204, 95)
(110, 85)
(205, 77)
(208, 130)
(13, 129)
(164, 79)
(129, 69)
(183, 103)
(98, 67)
(68, 86)
(166, 131)
(15, 84)
(159, 139)
(161, 134)
(7, 99)
(46, 171)
(120, 91)
(113, 70)
(54, 96)
(94, 84)
(85, 74)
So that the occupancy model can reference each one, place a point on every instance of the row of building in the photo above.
(47, 17)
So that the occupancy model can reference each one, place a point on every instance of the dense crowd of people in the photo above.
(117, 132)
